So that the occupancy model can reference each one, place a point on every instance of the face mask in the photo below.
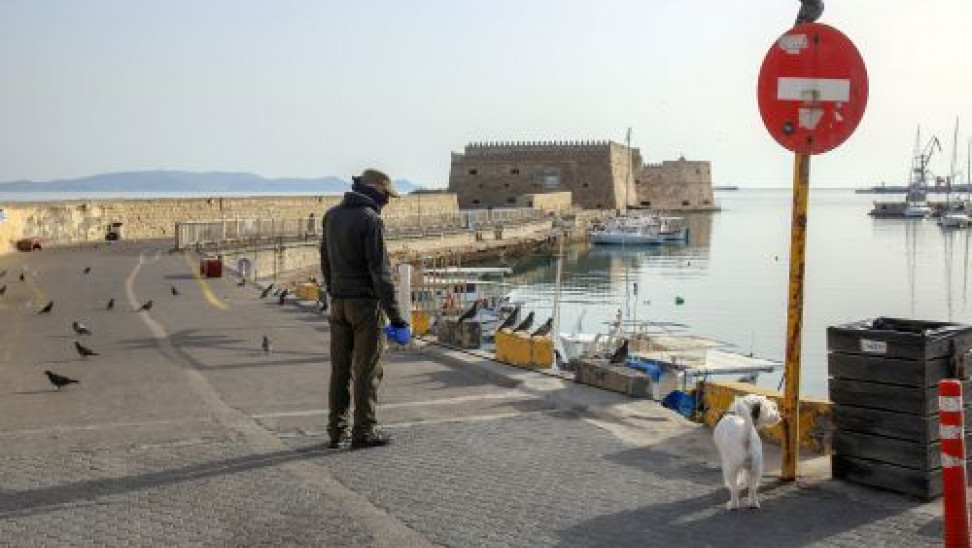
(379, 197)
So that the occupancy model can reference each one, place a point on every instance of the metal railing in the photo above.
(229, 232)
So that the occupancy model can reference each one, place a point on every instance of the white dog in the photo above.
(737, 439)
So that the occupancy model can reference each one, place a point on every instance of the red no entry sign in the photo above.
(812, 89)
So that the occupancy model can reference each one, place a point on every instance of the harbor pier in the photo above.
(182, 431)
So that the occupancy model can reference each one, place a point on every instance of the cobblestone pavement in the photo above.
(183, 433)
(212, 494)
(556, 480)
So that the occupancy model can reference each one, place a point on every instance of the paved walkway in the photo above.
(183, 433)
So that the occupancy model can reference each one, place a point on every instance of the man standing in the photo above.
(357, 274)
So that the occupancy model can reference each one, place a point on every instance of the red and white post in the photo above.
(951, 425)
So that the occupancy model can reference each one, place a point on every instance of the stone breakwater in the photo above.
(78, 221)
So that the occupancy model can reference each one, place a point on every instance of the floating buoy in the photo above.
(679, 299)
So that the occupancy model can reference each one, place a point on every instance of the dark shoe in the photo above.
(336, 441)
(373, 439)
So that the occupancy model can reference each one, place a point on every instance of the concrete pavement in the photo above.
(184, 433)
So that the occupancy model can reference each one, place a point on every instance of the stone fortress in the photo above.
(599, 174)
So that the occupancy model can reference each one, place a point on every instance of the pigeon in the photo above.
(87, 269)
(265, 345)
(266, 291)
(111, 304)
(84, 351)
(525, 324)
(283, 295)
(621, 354)
(175, 292)
(3, 289)
(810, 11)
(47, 308)
(80, 328)
(469, 313)
(511, 319)
(59, 380)
(544, 329)
(145, 307)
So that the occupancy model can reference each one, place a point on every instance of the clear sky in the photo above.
(314, 87)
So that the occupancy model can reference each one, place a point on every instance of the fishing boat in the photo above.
(915, 205)
(650, 229)
(955, 215)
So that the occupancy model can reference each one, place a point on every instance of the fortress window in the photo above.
(698, 171)
(587, 185)
(515, 171)
(506, 185)
(480, 185)
(685, 203)
(511, 200)
(551, 178)
(646, 203)
(473, 171)
(476, 201)
(707, 202)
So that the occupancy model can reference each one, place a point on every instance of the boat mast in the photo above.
(627, 183)
(951, 174)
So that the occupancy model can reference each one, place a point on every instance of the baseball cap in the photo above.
(378, 179)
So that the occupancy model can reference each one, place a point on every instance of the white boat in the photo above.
(916, 210)
(640, 230)
(955, 219)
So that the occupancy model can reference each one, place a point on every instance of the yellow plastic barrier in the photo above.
(542, 352)
(522, 350)
(420, 322)
(816, 422)
(308, 291)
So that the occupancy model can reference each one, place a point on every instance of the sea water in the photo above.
(732, 276)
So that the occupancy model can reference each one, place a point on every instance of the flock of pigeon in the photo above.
(79, 328)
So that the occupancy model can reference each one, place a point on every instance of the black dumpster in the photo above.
(884, 377)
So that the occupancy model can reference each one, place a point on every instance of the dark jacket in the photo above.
(354, 260)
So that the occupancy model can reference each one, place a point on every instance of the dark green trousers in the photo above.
(355, 369)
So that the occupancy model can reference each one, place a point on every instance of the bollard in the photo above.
(952, 430)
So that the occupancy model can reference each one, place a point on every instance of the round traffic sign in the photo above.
(812, 89)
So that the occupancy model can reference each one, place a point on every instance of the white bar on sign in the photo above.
(809, 89)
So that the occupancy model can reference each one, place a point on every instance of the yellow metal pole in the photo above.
(794, 318)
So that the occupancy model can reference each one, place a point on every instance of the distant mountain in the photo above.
(190, 182)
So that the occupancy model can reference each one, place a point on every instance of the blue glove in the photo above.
(400, 335)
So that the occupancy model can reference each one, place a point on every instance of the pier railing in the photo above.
(240, 232)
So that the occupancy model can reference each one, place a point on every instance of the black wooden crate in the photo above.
(924, 484)
(890, 397)
(903, 372)
(908, 454)
(898, 338)
(904, 426)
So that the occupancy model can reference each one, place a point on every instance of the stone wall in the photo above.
(680, 185)
(551, 201)
(87, 220)
(496, 174)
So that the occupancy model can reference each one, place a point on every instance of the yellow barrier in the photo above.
(308, 291)
(816, 423)
(522, 350)
(420, 322)
(542, 352)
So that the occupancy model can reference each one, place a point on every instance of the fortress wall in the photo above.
(87, 220)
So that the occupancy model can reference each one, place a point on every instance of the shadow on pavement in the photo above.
(15, 504)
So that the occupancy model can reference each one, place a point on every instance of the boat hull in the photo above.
(615, 238)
